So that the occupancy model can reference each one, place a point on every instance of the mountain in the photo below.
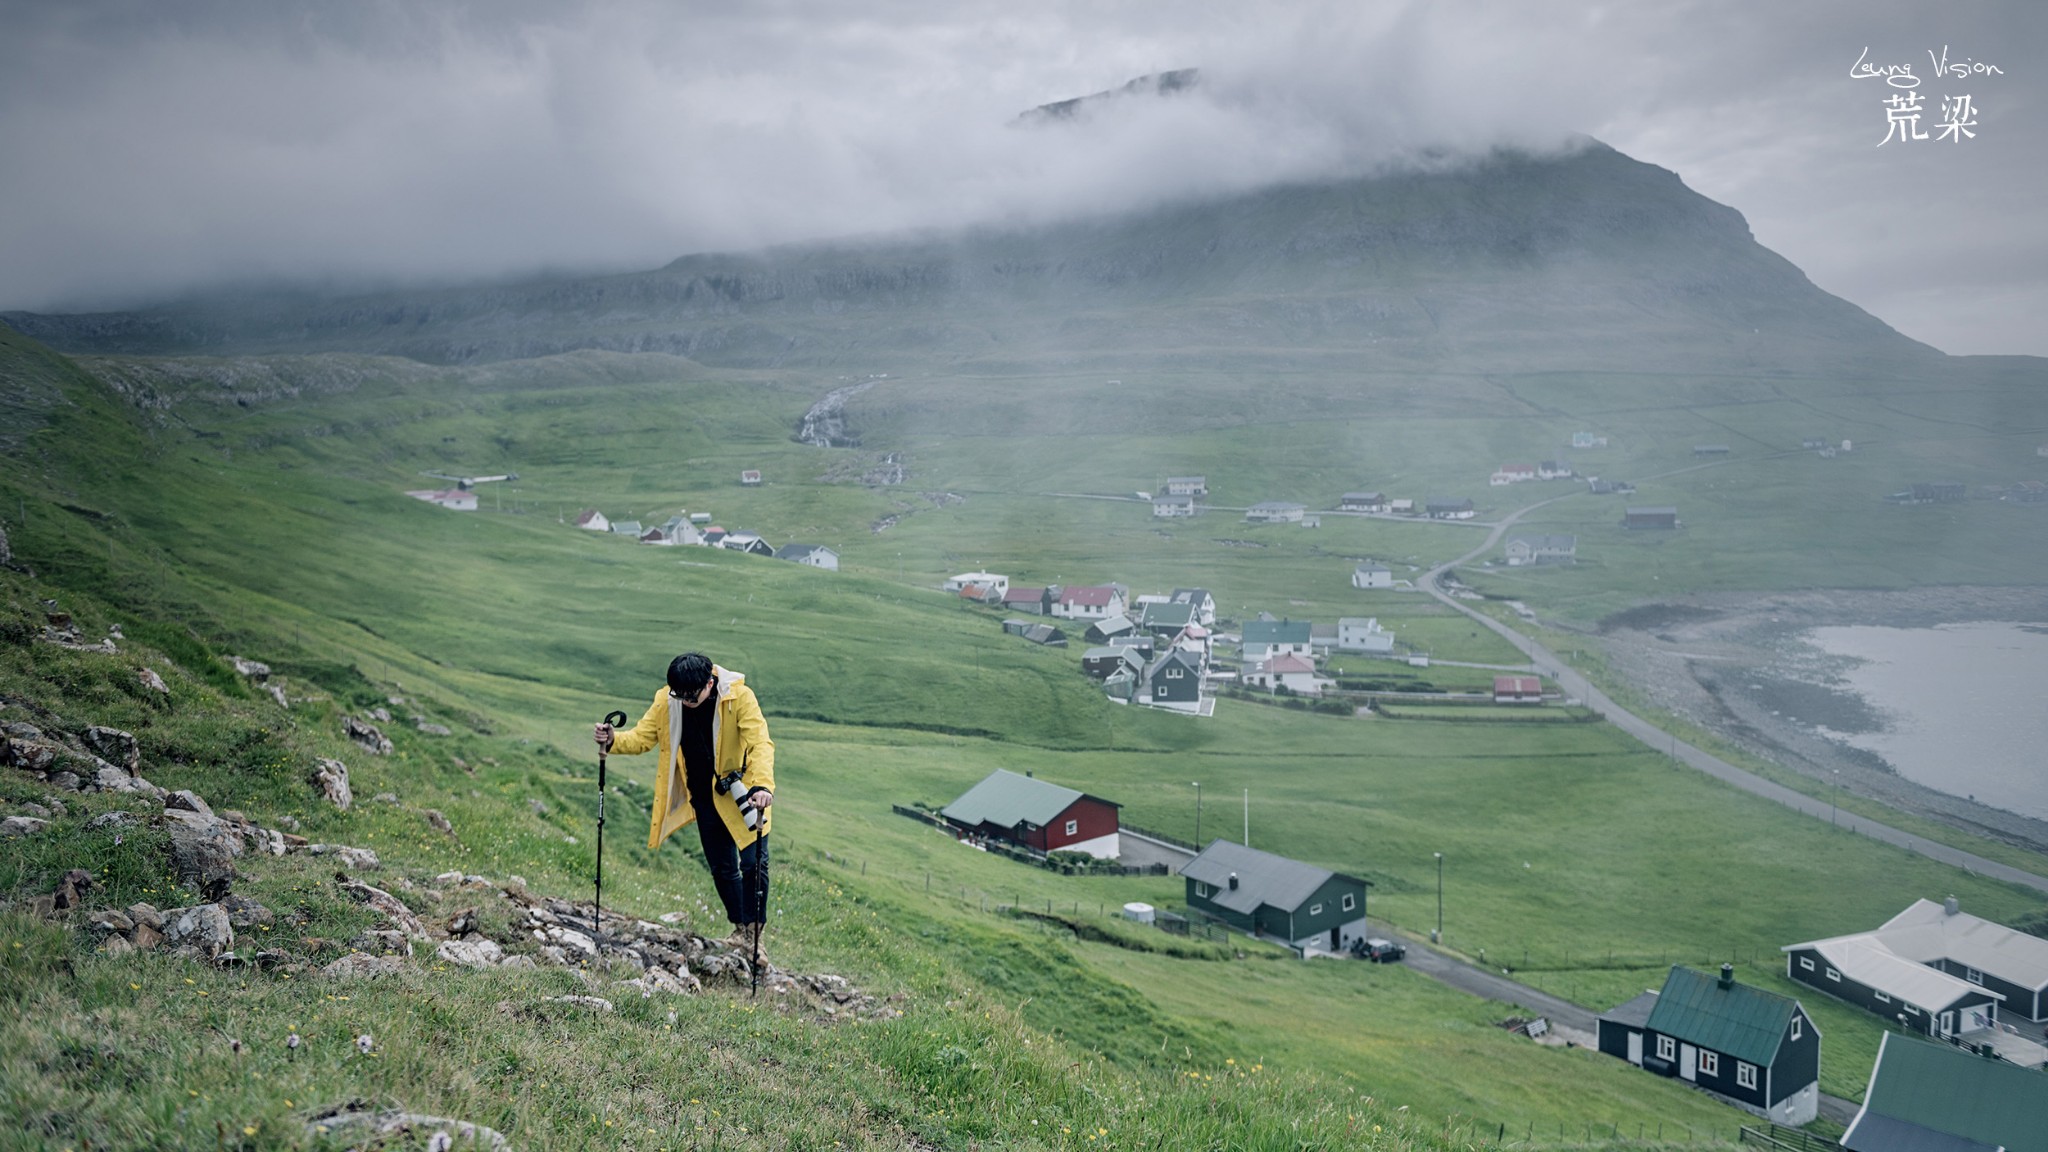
(1581, 261)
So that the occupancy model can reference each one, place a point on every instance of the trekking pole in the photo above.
(760, 892)
(613, 720)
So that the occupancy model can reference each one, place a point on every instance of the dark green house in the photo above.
(1928, 1097)
(1308, 908)
(1753, 1048)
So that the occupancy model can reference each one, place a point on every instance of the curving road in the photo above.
(1574, 684)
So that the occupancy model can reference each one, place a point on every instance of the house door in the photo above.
(1948, 1024)
(1635, 1049)
(1688, 1062)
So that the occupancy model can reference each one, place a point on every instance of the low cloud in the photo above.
(152, 152)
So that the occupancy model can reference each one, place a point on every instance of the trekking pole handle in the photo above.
(612, 719)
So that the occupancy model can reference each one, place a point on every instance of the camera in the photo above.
(737, 789)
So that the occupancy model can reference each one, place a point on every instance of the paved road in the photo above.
(1490, 985)
(1574, 684)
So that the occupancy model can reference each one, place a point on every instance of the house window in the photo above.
(1799, 1022)
(1745, 1074)
(1667, 1048)
(1883, 998)
(1710, 1063)
(1315, 909)
(1834, 975)
(1973, 976)
(1073, 827)
(1201, 889)
(1350, 902)
(1806, 963)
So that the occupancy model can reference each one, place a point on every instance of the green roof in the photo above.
(1005, 799)
(1958, 1093)
(1168, 615)
(1742, 1021)
(1276, 631)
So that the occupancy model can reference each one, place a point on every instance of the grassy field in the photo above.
(1573, 854)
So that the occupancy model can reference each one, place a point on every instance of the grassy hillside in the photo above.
(267, 519)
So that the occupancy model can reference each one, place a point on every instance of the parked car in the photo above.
(1378, 950)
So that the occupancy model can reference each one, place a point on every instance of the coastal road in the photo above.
(1574, 684)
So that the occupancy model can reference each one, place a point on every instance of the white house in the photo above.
(594, 520)
(1542, 549)
(1089, 602)
(1187, 485)
(679, 530)
(1203, 603)
(1371, 574)
(1269, 639)
(1171, 507)
(1362, 502)
(1275, 512)
(1286, 671)
(1363, 634)
(1401, 507)
(751, 478)
(1588, 440)
(1553, 470)
(747, 542)
(984, 580)
(815, 555)
(1447, 508)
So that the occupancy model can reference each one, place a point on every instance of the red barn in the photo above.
(1036, 814)
(1517, 690)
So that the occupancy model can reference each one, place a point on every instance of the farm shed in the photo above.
(1517, 690)
(1649, 516)
(814, 555)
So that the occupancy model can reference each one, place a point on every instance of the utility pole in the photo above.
(1198, 814)
(1247, 817)
(1437, 936)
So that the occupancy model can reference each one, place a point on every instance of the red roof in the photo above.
(1517, 686)
(1288, 662)
(1093, 595)
(1020, 595)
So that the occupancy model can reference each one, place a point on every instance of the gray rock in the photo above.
(519, 962)
(594, 1003)
(36, 810)
(153, 682)
(438, 822)
(68, 781)
(254, 669)
(202, 926)
(384, 798)
(433, 729)
(112, 921)
(269, 841)
(112, 779)
(114, 745)
(115, 819)
(186, 800)
(15, 827)
(358, 965)
(332, 777)
(146, 916)
(383, 941)
(203, 851)
(479, 953)
(391, 906)
(448, 1133)
(380, 715)
(116, 945)
(367, 735)
(31, 756)
(245, 913)
(539, 808)
(146, 937)
(276, 691)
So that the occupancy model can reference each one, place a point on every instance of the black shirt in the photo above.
(696, 749)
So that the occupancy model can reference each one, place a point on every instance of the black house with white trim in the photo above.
(2002, 965)
(1755, 1049)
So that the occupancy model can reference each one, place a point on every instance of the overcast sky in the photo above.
(154, 146)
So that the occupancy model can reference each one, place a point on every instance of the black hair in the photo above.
(688, 673)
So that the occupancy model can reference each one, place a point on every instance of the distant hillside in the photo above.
(1583, 261)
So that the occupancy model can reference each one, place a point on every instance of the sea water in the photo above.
(1965, 705)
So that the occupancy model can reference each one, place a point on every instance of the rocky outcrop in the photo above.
(332, 778)
(366, 735)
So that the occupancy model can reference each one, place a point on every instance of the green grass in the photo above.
(279, 532)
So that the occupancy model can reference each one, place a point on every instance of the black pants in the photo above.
(740, 874)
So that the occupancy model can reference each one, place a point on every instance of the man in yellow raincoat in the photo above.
(718, 770)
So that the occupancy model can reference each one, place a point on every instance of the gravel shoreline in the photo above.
(1735, 664)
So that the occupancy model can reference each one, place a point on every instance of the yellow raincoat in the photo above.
(739, 743)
